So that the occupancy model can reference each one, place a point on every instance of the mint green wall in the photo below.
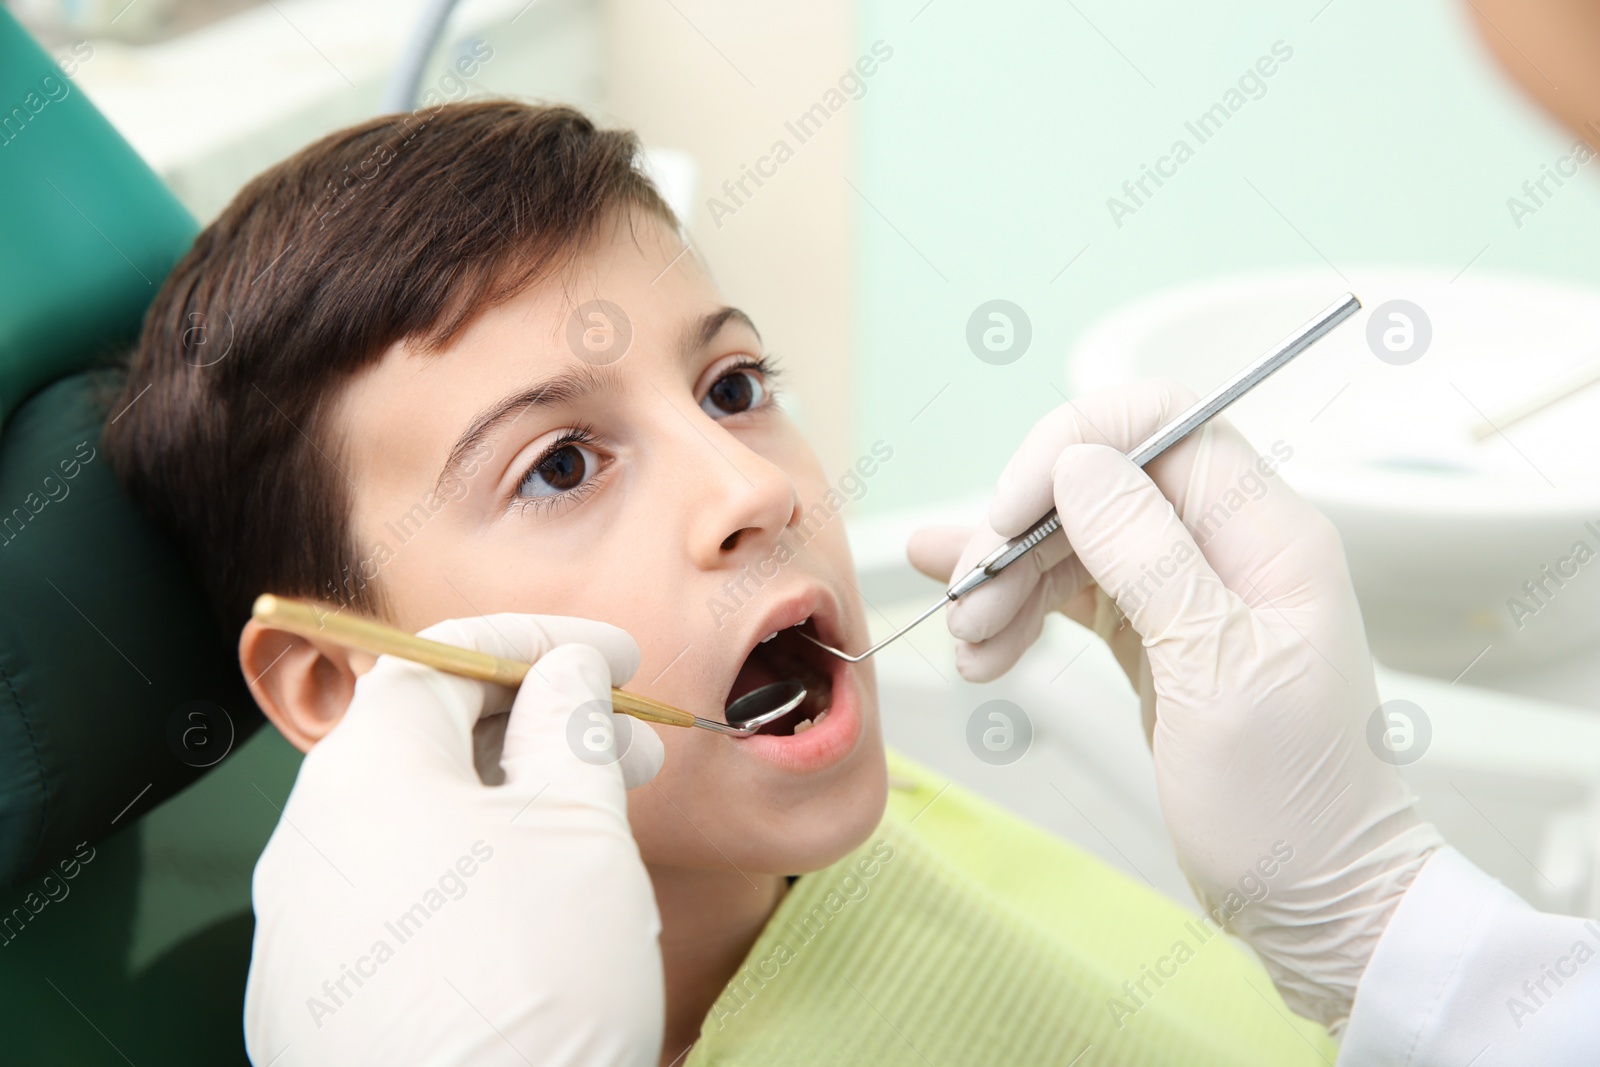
(994, 137)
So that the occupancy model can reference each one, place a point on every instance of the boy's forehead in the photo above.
(635, 276)
(630, 303)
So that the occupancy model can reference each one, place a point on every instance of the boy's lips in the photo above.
(822, 745)
(833, 701)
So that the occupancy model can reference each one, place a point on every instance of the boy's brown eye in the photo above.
(561, 470)
(564, 468)
(740, 390)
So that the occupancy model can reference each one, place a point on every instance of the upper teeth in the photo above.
(775, 633)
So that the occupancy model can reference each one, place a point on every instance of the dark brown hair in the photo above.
(402, 228)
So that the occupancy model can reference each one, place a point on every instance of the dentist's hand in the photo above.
(1256, 671)
(406, 912)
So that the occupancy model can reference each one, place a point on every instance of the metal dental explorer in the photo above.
(1202, 412)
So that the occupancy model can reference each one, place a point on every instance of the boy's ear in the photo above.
(303, 685)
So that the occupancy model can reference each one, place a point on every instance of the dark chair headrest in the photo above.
(111, 667)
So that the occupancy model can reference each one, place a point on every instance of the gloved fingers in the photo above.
(1120, 418)
(642, 760)
(400, 699)
(936, 551)
(1132, 542)
(1081, 606)
(986, 660)
(982, 613)
(1249, 520)
(1066, 588)
(562, 717)
(1112, 627)
(565, 710)
(943, 552)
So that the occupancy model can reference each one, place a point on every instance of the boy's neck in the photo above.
(709, 921)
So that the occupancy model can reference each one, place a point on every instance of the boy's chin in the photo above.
(818, 838)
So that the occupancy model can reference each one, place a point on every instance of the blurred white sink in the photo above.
(1442, 530)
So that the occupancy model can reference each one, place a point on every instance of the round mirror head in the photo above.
(760, 706)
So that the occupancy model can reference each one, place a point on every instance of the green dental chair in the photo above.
(135, 788)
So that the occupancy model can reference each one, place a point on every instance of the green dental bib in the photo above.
(959, 934)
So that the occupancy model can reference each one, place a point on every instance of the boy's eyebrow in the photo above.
(575, 384)
(711, 325)
(562, 388)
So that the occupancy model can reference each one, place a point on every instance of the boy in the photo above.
(472, 370)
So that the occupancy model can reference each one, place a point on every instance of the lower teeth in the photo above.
(805, 724)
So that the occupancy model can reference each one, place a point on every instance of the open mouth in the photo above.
(786, 656)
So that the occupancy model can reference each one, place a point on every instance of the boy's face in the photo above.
(656, 488)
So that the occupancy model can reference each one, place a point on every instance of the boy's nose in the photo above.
(744, 504)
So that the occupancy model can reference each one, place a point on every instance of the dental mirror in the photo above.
(760, 706)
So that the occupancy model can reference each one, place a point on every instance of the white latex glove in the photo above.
(1257, 671)
(408, 913)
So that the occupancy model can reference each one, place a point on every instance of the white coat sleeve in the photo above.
(1467, 972)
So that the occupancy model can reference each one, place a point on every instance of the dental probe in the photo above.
(990, 566)
(745, 716)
